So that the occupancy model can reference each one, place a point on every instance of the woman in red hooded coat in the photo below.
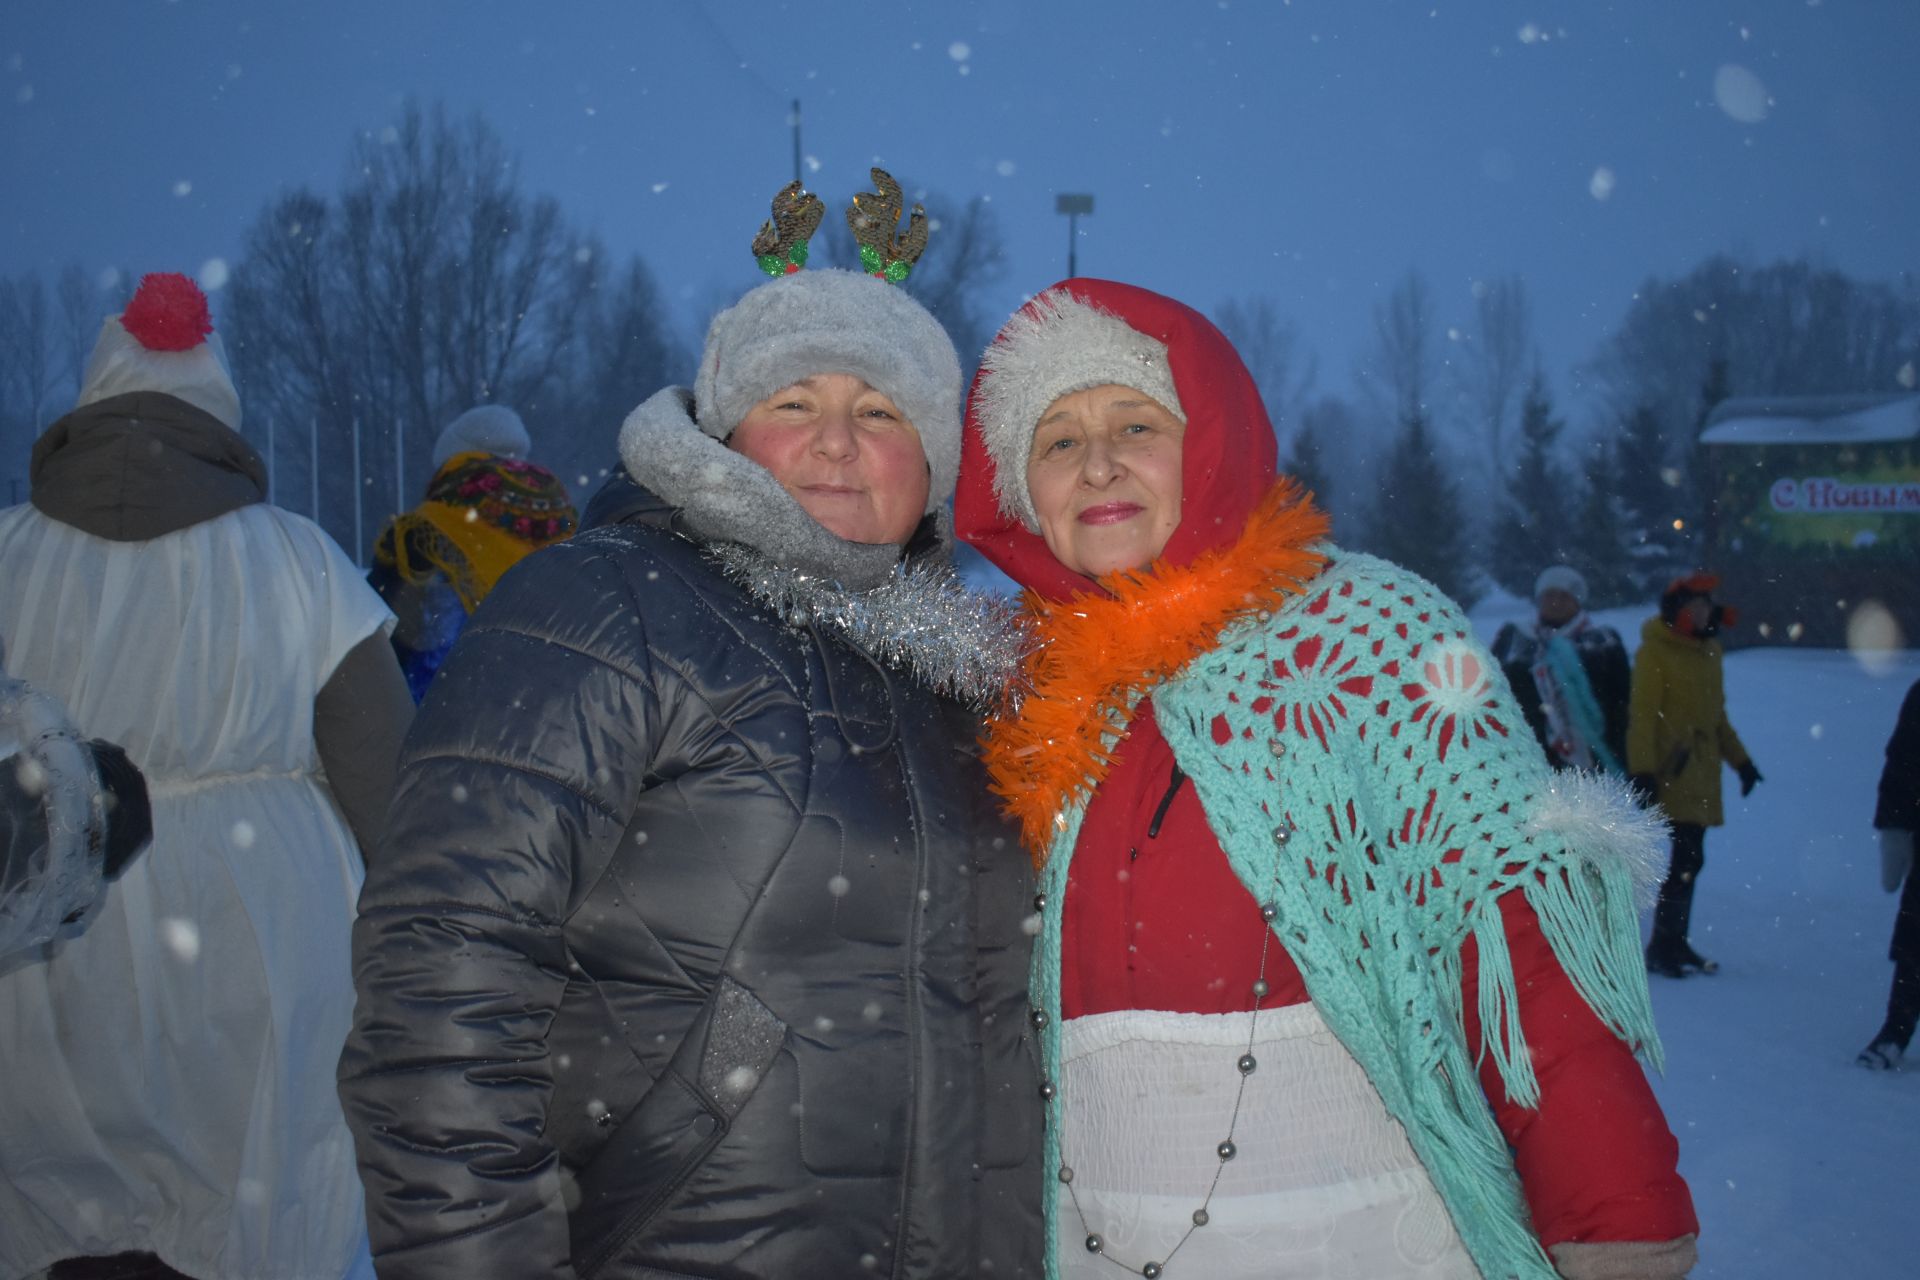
(1311, 899)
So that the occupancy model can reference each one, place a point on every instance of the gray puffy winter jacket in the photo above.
(694, 948)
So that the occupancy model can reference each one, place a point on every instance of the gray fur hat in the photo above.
(833, 321)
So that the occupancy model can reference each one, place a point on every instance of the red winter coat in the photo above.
(1160, 921)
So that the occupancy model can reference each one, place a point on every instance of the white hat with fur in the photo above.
(1054, 346)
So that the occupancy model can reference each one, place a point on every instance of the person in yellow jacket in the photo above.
(1677, 737)
(485, 509)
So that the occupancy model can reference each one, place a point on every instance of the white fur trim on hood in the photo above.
(1052, 347)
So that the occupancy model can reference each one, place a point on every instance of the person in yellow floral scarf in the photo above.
(486, 508)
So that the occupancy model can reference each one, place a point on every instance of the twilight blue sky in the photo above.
(1311, 151)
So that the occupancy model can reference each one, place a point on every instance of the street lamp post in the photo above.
(1073, 205)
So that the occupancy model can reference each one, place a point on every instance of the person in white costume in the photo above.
(170, 1106)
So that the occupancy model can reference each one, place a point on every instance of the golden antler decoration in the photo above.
(873, 217)
(781, 246)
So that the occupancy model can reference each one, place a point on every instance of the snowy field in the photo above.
(1801, 1163)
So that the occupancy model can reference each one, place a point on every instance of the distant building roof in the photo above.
(1814, 420)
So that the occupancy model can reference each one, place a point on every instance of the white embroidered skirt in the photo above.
(1324, 1183)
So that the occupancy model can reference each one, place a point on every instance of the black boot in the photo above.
(1884, 1054)
(1668, 952)
(1694, 962)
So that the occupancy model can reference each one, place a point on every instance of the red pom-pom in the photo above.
(168, 313)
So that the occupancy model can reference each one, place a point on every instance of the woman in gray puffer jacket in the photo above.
(695, 946)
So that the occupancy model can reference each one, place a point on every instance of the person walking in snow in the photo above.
(169, 1069)
(486, 508)
(72, 812)
(695, 946)
(1678, 735)
(1897, 816)
(1310, 1004)
(1570, 676)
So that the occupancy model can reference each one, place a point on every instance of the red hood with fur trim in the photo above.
(1228, 463)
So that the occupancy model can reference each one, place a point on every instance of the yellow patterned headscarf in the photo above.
(481, 516)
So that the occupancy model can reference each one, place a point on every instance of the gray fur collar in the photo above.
(728, 498)
(921, 620)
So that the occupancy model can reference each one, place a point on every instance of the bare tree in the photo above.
(1789, 328)
(26, 333)
(625, 355)
(1398, 372)
(26, 376)
(79, 321)
(968, 257)
(1499, 352)
(1269, 345)
(430, 284)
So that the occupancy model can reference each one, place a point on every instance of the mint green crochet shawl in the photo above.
(1365, 721)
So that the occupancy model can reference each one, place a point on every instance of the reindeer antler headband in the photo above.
(781, 246)
(873, 217)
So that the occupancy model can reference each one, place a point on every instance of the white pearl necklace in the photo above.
(1245, 1065)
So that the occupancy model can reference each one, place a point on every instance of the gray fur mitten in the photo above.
(1625, 1259)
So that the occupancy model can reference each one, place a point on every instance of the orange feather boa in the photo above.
(1099, 653)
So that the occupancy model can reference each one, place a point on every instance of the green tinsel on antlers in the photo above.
(781, 246)
(873, 217)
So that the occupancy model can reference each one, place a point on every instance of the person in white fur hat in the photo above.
(485, 510)
(695, 945)
(169, 1066)
(1570, 675)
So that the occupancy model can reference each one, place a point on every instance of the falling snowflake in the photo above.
(1740, 94)
(182, 937)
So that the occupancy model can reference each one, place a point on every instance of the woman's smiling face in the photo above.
(845, 452)
(1104, 476)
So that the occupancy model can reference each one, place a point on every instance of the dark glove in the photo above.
(1646, 788)
(1748, 776)
(129, 812)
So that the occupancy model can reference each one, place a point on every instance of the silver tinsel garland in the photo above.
(923, 620)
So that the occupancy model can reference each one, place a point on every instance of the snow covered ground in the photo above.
(1801, 1163)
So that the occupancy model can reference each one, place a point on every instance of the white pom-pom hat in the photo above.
(163, 342)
